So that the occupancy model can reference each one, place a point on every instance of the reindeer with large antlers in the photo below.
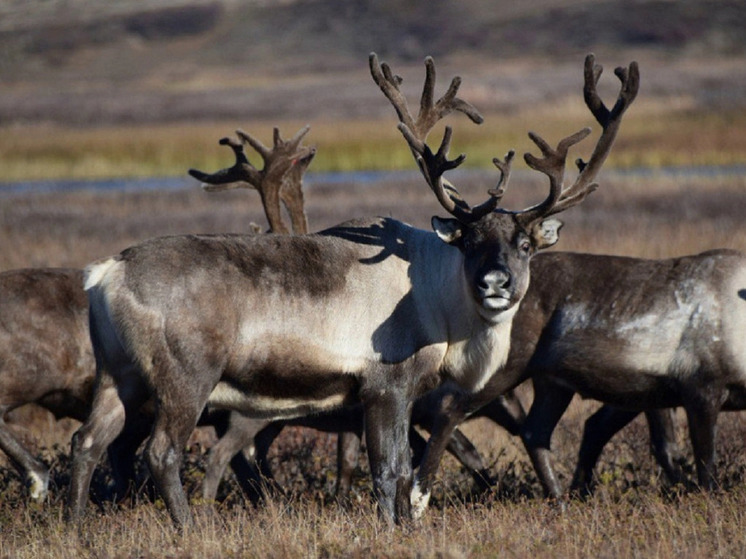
(582, 326)
(279, 180)
(240, 431)
(281, 326)
(456, 405)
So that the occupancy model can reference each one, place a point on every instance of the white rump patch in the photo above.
(94, 273)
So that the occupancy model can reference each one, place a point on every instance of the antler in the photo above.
(280, 178)
(415, 131)
(553, 162)
(430, 112)
(434, 165)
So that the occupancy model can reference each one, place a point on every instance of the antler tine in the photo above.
(504, 166)
(430, 112)
(553, 166)
(290, 145)
(296, 140)
(237, 176)
(428, 89)
(630, 78)
(279, 180)
(610, 120)
(433, 166)
(389, 84)
(258, 146)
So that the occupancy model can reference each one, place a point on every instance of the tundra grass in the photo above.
(632, 513)
(650, 137)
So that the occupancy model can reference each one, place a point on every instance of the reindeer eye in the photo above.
(525, 247)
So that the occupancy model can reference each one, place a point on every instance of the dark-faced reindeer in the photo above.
(256, 435)
(456, 405)
(371, 311)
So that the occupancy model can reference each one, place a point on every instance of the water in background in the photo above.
(311, 179)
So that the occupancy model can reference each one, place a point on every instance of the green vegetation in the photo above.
(649, 139)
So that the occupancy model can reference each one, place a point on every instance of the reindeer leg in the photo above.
(599, 429)
(702, 411)
(465, 452)
(459, 446)
(507, 411)
(387, 420)
(348, 453)
(122, 452)
(262, 474)
(445, 416)
(663, 443)
(550, 402)
(181, 397)
(110, 406)
(35, 473)
(239, 433)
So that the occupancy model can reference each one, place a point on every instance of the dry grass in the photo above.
(644, 215)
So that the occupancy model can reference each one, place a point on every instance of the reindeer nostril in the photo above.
(500, 277)
(496, 279)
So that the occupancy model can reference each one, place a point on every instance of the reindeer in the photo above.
(281, 326)
(641, 335)
(238, 431)
(506, 410)
(456, 405)
(661, 334)
(46, 356)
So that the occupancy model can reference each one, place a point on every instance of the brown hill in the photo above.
(91, 61)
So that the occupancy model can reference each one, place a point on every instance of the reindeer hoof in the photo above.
(38, 485)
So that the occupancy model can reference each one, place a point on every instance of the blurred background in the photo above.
(93, 88)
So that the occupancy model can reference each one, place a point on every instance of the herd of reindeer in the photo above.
(372, 327)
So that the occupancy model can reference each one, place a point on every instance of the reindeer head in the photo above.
(497, 244)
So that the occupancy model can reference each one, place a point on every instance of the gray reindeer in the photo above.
(46, 356)
(281, 326)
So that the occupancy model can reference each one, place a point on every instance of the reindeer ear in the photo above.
(449, 230)
(546, 233)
